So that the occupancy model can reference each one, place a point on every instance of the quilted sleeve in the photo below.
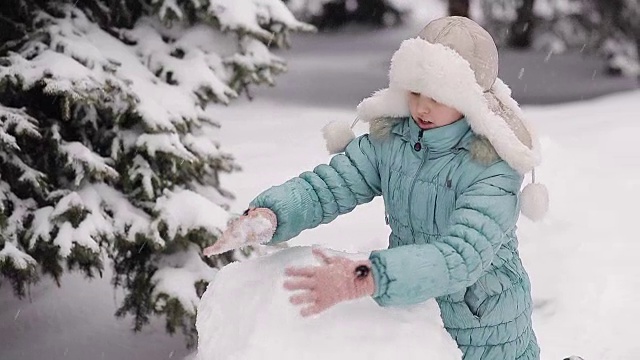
(483, 216)
(319, 196)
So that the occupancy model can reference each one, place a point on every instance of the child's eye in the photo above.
(415, 93)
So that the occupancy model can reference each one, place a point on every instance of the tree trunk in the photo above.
(522, 28)
(379, 13)
(334, 14)
(459, 8)
(638, 52)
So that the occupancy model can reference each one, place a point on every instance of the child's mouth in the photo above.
(424, 124)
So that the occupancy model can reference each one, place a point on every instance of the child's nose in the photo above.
(424, 107)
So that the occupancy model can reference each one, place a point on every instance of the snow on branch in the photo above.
(41, 227)
(252, 15)
(203, 146)
(142, 171)
(103, 213)
(29, 175)
(185, 69)
(62, 75)
(82, 158)
(127, 220)
(179, 269)
(19, 258)
(169, 9)
(167, 84)
(14, 124)
(13, 250)
(183, 211)
(168, 143)
(16, 121)
(307, 8)
(74, 226)
(257, 60)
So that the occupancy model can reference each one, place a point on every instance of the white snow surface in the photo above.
(236, 324)
(581, 258)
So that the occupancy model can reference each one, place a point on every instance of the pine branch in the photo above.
(19, 276)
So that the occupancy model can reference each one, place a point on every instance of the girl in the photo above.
(447, 149)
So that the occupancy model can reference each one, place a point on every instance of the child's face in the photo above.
(429, 114)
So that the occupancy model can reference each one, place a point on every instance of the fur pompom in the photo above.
(338, 135)
(534, 201)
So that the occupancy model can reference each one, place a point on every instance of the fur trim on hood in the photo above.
(419, 66)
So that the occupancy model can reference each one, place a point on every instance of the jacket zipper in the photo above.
(417, 147)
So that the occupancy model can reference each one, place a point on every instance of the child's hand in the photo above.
(256, 226)
(338, 279)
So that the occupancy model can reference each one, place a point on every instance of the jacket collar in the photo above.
(444, 139)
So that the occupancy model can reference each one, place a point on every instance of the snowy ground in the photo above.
(581, 259)
(76, 322)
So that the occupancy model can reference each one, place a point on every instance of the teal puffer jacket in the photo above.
(453, 223)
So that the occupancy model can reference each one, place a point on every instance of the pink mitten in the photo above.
(256, 226)
(338, 279)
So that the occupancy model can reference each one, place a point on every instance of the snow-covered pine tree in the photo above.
(498, 17)
(618, 37)
(107, 153)
(606, 27)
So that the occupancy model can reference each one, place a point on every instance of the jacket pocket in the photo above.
(443, 207)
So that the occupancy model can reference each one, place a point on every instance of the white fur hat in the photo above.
(455, 62)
